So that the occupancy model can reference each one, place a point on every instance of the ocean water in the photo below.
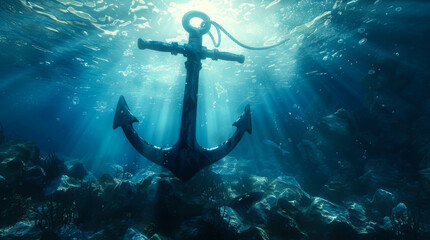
(349, 86)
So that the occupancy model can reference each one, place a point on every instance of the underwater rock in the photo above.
(71, 231)
(330, 219)
(34, 177)
(358, 218)
(132, 234)
(339, 186)
(315, 162)
(288, 188)
(78, 171)
(62, 186)
(382, 201)
(340, 126)
(400, 210)
(158, 237)
(379, 173)
(125, 191)
(216, 223)
(254, 233)
(21, 231)
(107, 182)
(161, 185)
(244, 202)
(281, 224)
(327, 212)
(228, 166)
(14, 156)
(11, 169)
(100, 235)
(232, 218)
(282, 189)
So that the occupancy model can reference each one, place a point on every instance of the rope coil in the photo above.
(219, 28)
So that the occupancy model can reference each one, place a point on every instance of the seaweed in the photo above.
(52, 216)
(405, 225)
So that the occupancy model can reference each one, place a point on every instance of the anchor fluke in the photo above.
(123, 116)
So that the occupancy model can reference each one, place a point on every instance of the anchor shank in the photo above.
(189, 110)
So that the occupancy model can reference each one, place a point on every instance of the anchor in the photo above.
(186, 157)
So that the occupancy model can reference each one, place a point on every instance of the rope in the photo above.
(219, 28)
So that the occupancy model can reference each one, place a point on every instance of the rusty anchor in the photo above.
(186, 157)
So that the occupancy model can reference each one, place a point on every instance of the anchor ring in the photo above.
(194, 30)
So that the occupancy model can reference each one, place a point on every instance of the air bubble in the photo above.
(75, 100)
(362, 41)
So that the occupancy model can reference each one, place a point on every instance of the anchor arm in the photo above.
(243, 124)
(125, 119)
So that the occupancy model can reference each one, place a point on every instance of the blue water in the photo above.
(65, 63)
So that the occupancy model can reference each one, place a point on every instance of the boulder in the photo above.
(106, 182)
(21, 231)
(132, 234)
(228, 166)
(71, 231)
(158, 237)
(327, 212)
(379, 173)
(282, 224)
(125, 191)
(315, 161)
(254, 233)
(382, 201)
(400, 211)
(284, 192)
(327, 220)
(14, 157)
(231, 219)
(63, 186)
(357, 217)
(78, 171)
(34, 177)
(340, 125)
(100, 235)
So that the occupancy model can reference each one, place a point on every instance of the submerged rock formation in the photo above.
(347, 200)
